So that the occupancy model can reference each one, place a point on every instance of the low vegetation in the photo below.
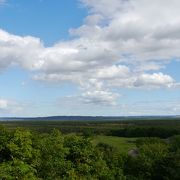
(121, 144)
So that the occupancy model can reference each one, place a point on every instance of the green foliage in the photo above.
(17, 155)
(30, 156)
(155, 161)
(121, 144)
(148, 141)
(146, 131)
(175, 143)
(114, 160)
(17, 169)
(52, 163)
(114, 126)
(86, 159)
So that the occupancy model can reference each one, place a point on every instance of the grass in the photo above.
(120, 143)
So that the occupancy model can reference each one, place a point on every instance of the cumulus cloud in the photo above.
(99, 97)
(10, 106)
(19, 50)
(118, 44)
(154, 80)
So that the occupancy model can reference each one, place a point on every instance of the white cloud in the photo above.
(95, 92)
(19, 50)
(10, 106)
(104, 7)
(3, 104)
(154, 80)
(99, 97)
(112, 72)
(118, 44)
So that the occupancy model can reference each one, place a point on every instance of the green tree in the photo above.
(86, 160)
(150, 153)
(17, 155)
(52, 164)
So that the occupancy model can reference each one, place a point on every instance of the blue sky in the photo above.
(83, 57)
(43, 19)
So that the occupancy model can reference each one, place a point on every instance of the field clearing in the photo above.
(120, 143)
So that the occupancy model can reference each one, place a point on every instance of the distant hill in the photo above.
(87, 118)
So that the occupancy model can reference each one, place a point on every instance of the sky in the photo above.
(89, 57)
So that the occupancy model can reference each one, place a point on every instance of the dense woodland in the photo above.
(28, 154)
(164, 127)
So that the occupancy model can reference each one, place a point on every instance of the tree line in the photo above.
(145, 131)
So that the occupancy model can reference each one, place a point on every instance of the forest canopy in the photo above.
(28, 155)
